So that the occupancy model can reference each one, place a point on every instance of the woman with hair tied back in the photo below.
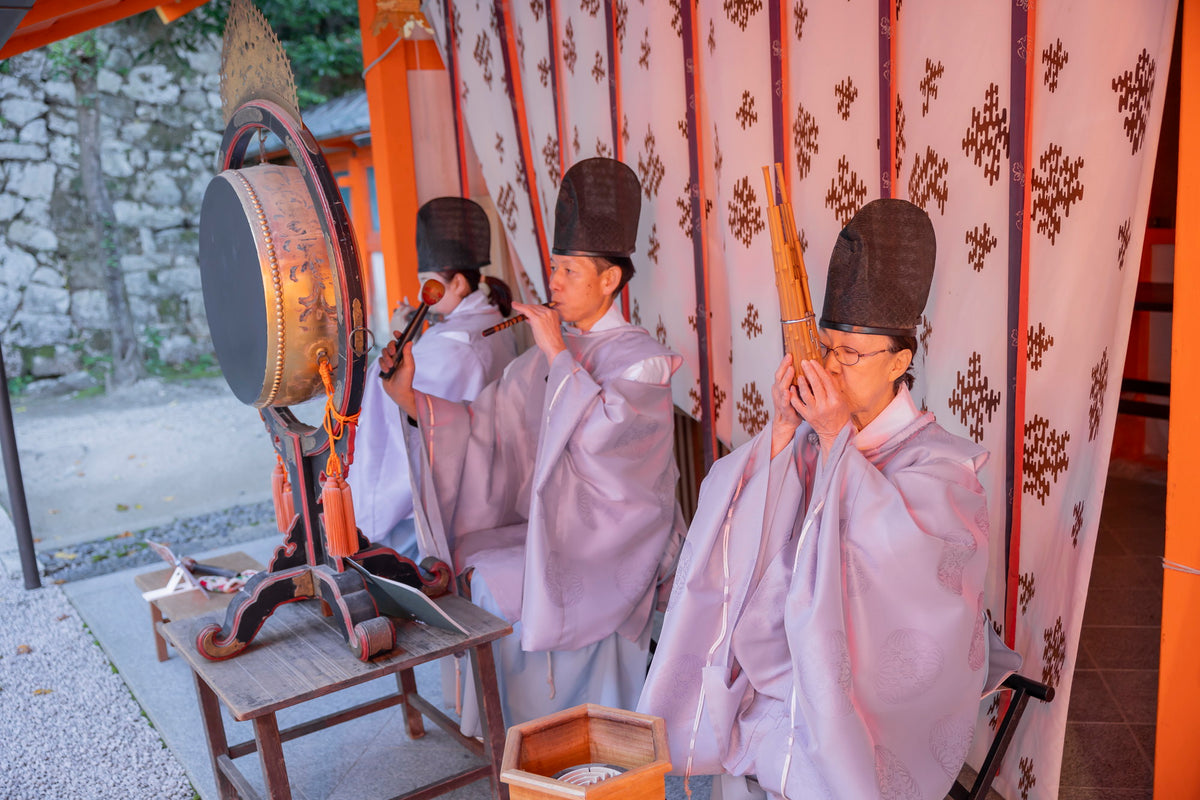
(457, 361)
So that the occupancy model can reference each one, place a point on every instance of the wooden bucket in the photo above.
(589, 734)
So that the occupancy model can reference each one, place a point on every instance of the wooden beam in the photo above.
(169, 12)
(50, 21)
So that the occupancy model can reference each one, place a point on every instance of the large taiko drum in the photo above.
(269, 292)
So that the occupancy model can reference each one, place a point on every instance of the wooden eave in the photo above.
(49, 21)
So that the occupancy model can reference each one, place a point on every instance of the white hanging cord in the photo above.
(550, 672)
(1167, 564)
(382, 56)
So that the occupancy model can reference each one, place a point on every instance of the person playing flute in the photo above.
(554, 490)
(453, 245)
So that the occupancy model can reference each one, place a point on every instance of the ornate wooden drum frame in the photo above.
(301, 567)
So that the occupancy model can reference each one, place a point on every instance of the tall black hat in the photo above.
(452, 232)
(880, 270)
(599, 202)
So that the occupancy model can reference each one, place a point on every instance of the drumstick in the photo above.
(432, 291)
(508, 323)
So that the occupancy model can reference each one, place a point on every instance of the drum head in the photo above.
(234, 298)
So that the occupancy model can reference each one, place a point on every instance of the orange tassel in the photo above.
(341, 535)
(281, 493)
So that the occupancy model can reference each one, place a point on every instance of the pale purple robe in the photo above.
(826, 632)
(557, 484)
(453, 361)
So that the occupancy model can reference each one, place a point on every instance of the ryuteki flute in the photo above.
(508, 323)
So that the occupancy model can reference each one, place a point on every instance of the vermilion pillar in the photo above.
(392, 151)
(1176, 768)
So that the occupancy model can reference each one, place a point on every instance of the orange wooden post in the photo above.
(392, 151)
(1176, 768)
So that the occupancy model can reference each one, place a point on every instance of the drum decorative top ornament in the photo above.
(283, 295)
(253, 64)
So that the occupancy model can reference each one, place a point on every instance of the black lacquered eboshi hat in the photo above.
(452, 233)
(881, 270)
(599, 203)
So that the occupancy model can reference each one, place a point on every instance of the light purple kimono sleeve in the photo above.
(687, 683)
(603, 510)
(477, 458)
(378, 475)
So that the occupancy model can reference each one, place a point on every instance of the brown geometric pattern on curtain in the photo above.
(954, 101)
(1098, 83)
(956, 133)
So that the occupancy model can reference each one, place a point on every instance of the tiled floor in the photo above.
(1108, 753)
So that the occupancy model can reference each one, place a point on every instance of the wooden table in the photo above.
(190, 603)
(299, 655)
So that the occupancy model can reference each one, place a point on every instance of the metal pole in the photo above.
(16, 487)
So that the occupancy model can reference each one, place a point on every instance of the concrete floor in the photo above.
(1109, 747)
(340, 763)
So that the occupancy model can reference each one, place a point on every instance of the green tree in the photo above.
(322, 41)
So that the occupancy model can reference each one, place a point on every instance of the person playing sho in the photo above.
(453, 245)
(826, 633)
(555, 488)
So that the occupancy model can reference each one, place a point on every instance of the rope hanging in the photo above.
(341, 533)
(281, 493)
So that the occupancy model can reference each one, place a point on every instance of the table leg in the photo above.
(214, 732)
(270, 753)
(412, 717)
(160, 644)
(483, 665)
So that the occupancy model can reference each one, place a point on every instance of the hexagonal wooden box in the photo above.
(587, 734)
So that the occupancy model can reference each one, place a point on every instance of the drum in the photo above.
(266, 267)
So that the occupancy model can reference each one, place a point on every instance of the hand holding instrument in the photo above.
(432, 292)
(508, 323)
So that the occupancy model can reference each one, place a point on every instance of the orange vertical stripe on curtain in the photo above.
(892, 86)
(504, 10)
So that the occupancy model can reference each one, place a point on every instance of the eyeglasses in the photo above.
(847, 356)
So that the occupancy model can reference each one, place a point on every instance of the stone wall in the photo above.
(161, 130)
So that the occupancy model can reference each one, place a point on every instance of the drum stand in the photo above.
(301, 569)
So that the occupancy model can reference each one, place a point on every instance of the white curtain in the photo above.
(935, 101)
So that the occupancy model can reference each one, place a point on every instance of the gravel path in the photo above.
(185, 536)
(69, 726)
